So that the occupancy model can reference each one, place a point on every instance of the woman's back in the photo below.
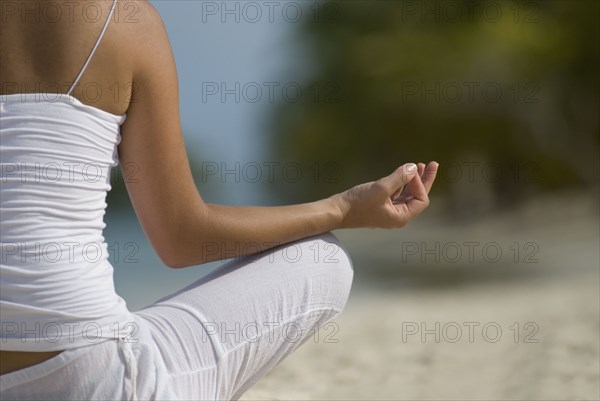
(45, 45)
(56, 158)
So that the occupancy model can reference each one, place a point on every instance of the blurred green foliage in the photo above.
(504, 91)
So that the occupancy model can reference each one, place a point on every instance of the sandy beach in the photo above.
(507, 330)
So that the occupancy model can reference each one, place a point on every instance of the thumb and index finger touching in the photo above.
(418, 180)
(407, 172)
(400, 177)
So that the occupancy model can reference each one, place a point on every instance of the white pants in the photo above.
(210, 341)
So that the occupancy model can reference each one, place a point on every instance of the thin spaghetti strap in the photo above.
(110, 14)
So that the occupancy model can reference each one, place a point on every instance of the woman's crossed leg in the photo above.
(220, 335)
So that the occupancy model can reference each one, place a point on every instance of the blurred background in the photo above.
(494, 292)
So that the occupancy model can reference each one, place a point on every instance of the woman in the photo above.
(80, 94)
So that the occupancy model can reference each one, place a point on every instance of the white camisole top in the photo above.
(56, 282)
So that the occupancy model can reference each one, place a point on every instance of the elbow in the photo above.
(176, 265)
(173, 263)
(176, 260)
(169, 259)
(168, 250)
(179, 245)
(180, 264)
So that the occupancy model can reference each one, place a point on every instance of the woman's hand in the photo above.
(390, 202)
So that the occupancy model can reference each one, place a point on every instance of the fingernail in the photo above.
(411, 168)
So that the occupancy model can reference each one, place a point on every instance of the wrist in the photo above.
(341, 206)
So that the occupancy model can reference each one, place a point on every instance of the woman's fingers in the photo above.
(400, 177)
(417, 198)
(417, 190)
(429, 174)
(426, 172)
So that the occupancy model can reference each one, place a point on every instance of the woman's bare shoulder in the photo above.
(44, 45)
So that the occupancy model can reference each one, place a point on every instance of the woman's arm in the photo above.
(186, 231)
